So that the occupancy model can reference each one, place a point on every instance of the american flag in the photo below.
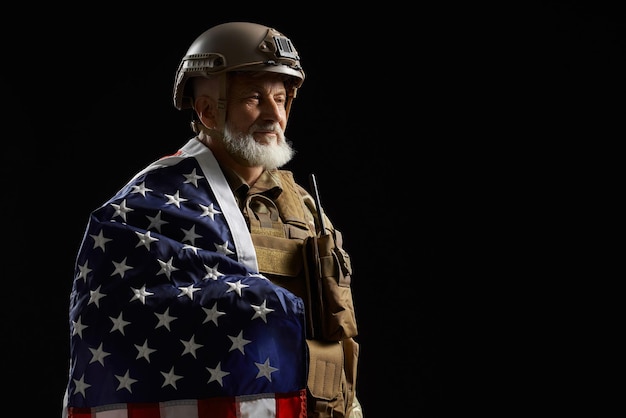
(169, 316)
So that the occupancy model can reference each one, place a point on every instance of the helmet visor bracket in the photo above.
(279, 49)
(210, 62)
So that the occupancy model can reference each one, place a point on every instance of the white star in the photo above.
(261, 311)
(265, 370)
(190, 235)
(193, 178)
(188, 291)
(217, 374)
(98, 355)
(143, 351)
(170, 378)
(118, 324)
(78, 328)
(83, 271)
(140, 188)
(100, 240)
(121, 210)
(125, 382)
(212, 314)
(223, 248)
(209, 211)
(95, 296)
(121, 268)
(236, 287)
(164, 319)
(260, 276)
(191, 248)
(145, 239)
(212, 272)
(166, 267)
(190, 347)
(81, 386)
(156, 222)
(238, 342)
(140, 294)
(175, 199)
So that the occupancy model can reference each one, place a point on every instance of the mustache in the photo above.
(271, 127)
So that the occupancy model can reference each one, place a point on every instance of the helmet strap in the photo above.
(221, 105)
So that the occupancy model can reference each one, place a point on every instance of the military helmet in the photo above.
(237, 46)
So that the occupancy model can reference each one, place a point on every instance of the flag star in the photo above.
(236, 287)
(166, 267)
(223, 248)
(265, 370)
(95, 296)
(212, 314)
(165, 319)
(143, 351)
(145, 239)
(217, 374)
(209, 211)
(260, 276)
(125, 381)
(170, 378)
(121, 268)
(78, 327)
(193, 178)
(261, 311)
(212, 272)
(188, 291)
(238, 342)
(98, 355)
(191, 247)
(100, 240)
(121, 210)
(190, 347)
(83, 271)
(81, 386)
(190, 235)
(140, 294)
(156, 222)
(175, 199)
(118, 324)
(140, 188)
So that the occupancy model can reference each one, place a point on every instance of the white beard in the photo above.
(269, 156)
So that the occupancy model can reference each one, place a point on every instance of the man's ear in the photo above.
(206, 109)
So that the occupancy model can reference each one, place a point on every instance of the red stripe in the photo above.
(291, 404)
(79, 413)
(143, 410)
(217, 407)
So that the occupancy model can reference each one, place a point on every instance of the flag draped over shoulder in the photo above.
(168, 314)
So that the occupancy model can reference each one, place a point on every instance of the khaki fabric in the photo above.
(281, 217)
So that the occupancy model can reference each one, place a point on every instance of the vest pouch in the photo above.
(279, 256)
(329, 273)
(324, 382)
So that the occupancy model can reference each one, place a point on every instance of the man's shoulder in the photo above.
(288, 179)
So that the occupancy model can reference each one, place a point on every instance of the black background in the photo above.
(434, 132)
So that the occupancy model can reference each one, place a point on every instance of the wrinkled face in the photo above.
(257, 106)
(255, 121)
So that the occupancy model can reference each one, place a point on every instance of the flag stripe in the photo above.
(288, 405)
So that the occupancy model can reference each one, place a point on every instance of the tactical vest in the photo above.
(291, 253)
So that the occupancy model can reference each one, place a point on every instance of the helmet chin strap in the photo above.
(198, 128)
(217, 131)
